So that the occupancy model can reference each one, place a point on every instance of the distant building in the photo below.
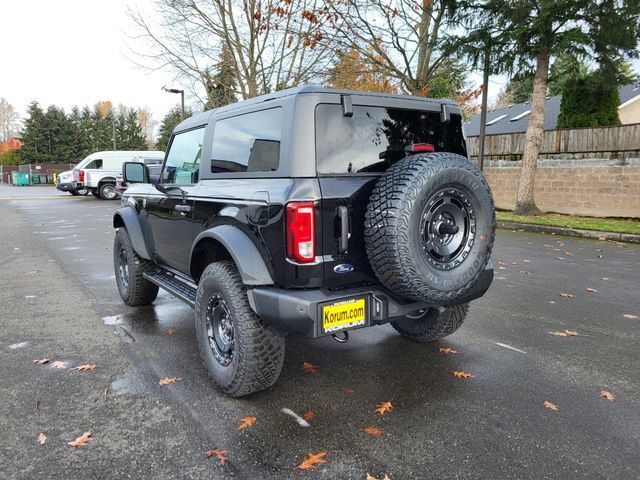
(514, 118)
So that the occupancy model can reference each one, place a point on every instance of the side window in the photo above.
(183, 160)
(248, 143)
(94, 164)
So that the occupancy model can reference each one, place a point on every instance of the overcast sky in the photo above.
(72, 52)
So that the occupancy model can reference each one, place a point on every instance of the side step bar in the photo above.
(176, 286)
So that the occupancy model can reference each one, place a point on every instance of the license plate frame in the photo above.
(344, 314)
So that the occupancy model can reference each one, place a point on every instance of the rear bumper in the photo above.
(300, 311)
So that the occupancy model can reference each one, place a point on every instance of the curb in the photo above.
(571, 232)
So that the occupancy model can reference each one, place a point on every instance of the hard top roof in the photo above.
(203, 118)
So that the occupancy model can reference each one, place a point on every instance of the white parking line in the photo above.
(504, 345)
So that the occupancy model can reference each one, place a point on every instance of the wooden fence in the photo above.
(575, 140)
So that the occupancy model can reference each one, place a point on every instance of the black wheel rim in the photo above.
(447, 228)
(220, 330)
(123, 267)
(108, 192)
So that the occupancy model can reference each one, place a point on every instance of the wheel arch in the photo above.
(127, 218)
(228, 242)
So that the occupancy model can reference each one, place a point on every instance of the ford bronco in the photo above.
(310, 211)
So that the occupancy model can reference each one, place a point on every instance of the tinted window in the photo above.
(183, 160)
(247, 143)
(375, 137)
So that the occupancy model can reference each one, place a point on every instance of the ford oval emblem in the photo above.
(343, 268)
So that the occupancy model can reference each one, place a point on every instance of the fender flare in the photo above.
(127, 217)
(245, 254)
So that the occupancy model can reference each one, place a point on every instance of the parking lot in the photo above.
(560, 324)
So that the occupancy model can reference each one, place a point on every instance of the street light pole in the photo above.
(181, 92)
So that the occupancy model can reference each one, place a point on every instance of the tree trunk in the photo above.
(525, 204)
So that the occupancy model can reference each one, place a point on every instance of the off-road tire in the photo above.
(394, 240)
(435, 324)
(258, 351)
(138, 290)
(107, 191)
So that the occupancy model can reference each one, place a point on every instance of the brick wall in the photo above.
(602, 191)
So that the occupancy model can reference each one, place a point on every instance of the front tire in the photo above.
(129, 269)
(241, 353)
(432, 324)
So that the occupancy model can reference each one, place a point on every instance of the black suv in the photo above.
(309, 211)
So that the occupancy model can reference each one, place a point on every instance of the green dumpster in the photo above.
(20, 178)
(35, 179)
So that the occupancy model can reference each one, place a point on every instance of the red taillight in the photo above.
(301, 232)
(421, 147)
(81, 176)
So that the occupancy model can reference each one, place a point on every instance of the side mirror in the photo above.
(135, 172)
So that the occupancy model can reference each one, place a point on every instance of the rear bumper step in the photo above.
(178, 287)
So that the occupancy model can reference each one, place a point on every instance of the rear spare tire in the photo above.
(429, 227)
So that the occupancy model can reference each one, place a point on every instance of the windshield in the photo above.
(374, 138)
(84, 162)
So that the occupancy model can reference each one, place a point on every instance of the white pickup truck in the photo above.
(98, 172)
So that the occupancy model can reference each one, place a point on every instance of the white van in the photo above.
(97, 173)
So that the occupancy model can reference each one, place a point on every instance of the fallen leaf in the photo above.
(482, 237)
(524, 272)
(83, 368)
(16, 346)
(602, 239)
(462, 375)
(169, 331)
(514, 262)
(569, 254)
(567, 295)
(500, 267)
(42, 439)
(105, 392)
(220, 454)
(629, 316)
(592, 290)
(605, 279)
(607, 395)
(312, 461)
(559, 258)
(565, 333)
(373, 431)
(309, 415)
(59, 365)
(309, 368)
(447, 350)
(551, 301)
(247, 422)
(82, 440)
(551, 406)
(526, 261)
(501, 263)
(371, 477)
(42, 361)
(348, 390)
(168, 380)
(384, 407)
(32, 272)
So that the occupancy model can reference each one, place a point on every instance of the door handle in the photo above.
(343, 241)
(183, 208)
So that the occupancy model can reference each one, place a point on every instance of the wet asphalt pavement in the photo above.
(57, 285)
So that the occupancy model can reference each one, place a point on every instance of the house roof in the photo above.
(514, 118)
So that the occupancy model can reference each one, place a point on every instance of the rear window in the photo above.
(374, 138)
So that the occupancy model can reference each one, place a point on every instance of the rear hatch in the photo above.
(351, 154)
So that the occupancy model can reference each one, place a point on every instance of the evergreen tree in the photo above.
(130, 135)
(33, 135)
(566, 68)
(58, 135)
(169, 122)
(589, 101)
(528, 33)
(221, 86)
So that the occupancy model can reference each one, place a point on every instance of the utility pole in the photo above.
(483, 111)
